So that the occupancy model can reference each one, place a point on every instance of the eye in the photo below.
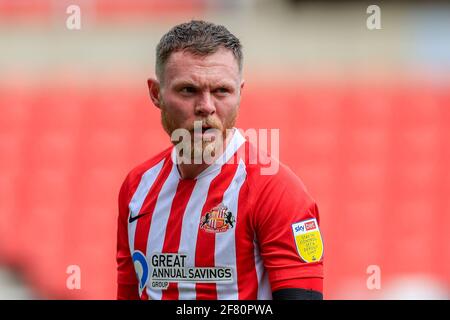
(188, 90)
(222, 90)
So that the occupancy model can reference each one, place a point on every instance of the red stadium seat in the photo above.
(374, 157)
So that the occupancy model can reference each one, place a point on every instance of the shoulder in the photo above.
(134, 176)
(277, 197)
(268, 177)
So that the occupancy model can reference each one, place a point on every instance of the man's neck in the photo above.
(191, 171)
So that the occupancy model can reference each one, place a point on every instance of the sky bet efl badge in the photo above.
(308, 240)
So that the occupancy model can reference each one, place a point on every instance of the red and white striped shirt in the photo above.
(230, 233)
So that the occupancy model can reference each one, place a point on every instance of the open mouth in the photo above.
(205, 128)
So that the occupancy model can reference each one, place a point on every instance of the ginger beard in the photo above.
(212, 144)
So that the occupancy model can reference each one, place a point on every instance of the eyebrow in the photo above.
(221, 83)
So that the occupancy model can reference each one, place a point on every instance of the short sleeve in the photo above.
(286, 223)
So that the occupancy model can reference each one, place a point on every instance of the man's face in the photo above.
(200, 88)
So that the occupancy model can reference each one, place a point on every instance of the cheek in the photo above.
(227, 108)
(178, 108)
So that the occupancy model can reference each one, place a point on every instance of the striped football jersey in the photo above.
(230, 233)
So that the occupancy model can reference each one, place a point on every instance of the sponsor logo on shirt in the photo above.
(141, 268)
(172, 267)
(218, 219)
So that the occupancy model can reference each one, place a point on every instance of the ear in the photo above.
(242, 85)
(154, 90)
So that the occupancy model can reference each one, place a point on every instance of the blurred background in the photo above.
(364, 119)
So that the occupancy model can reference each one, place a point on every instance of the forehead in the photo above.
(185, 66)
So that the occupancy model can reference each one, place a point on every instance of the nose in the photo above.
(205, 105)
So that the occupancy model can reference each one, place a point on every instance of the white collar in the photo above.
(235, 143)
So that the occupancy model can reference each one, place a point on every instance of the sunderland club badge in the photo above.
(218, 219)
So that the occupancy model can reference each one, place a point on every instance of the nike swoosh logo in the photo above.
(132, 219)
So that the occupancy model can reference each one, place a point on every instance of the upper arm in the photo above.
(282, 207)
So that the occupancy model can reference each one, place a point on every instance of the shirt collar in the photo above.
(234, 144)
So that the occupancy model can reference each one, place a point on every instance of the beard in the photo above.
(199, 147)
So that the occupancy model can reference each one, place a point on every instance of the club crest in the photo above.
(218, 219)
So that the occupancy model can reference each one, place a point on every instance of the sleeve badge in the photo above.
(308, 240)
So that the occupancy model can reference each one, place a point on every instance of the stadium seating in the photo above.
(376, 160)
